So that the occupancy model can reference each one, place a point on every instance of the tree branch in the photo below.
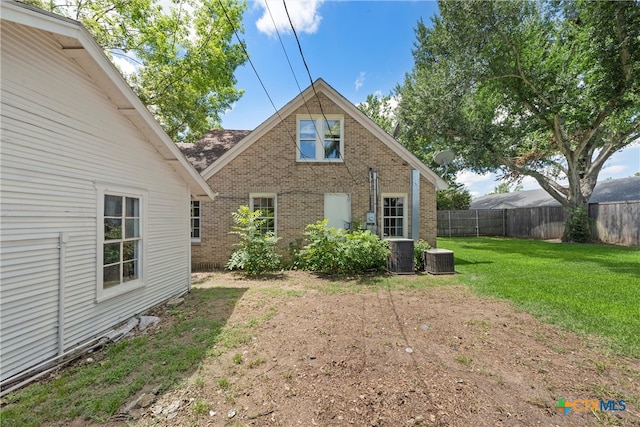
(521, 74)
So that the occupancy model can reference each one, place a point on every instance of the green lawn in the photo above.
(591, 289)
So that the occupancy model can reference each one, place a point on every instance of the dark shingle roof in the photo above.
(211, 146)
(612, 190)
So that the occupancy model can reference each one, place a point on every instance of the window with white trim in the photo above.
(196, 221)
(121, 238)
(320, 138)
(266, 204)
(394, 215)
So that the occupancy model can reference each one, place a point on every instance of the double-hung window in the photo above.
(394, 215)
(120, 240)
(320, 138)
(266, 204)
(195, 221)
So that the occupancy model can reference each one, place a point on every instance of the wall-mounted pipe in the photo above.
(415, 204)
(62, 255)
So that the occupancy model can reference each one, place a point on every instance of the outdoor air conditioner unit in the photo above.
(400, 260)
(439, 261)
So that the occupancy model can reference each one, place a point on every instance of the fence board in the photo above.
(544, 222)
(615, 223)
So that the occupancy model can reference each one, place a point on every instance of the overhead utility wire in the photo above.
(266, 3)
(246, 54)
(312, 85)
(304, 101)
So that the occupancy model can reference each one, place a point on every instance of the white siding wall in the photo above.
(61, 134)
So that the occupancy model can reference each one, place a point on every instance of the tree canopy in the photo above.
(183, 51)
(380, 110)
(543, 89)
(505, 187)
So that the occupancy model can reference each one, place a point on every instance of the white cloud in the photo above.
(469, 178)
(359, 80)
(304, 16)
(612, 171)
(529, 183)
(126, 65)
(477, 184)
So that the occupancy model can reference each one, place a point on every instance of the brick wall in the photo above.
(269, 166)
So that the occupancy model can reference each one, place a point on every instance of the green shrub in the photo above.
(419, 246)
(334, 251)
(579, 225)
(256, 251)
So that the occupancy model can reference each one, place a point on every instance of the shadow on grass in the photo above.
(259, 276)
(151, 362)
(462, 261)
(602, 255)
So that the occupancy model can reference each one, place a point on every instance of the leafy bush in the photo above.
(256, 251)
(579, 225)
(334, 251)
(419, 246)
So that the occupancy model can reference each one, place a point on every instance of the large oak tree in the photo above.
(543, 89)
(183, 50)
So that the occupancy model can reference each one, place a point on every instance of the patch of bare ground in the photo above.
(433, 356)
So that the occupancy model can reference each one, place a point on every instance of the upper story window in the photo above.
(195, 221)
(121, 240)
(320, 138)
(266, 204)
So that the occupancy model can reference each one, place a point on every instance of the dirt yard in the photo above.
(436, 356)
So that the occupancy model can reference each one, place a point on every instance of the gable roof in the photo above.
(613, 190)
(80, 46)
(211, 146)
(320, 86)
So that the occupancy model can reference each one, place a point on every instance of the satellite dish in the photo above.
(444, 158)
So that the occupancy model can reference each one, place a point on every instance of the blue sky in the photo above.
(359, 48)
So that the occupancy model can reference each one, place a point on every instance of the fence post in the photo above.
(504, 222)
(449, 223)
(477, 225)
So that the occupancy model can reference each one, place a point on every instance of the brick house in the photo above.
(318, 157)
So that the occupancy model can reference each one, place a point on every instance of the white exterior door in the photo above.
(337, 209)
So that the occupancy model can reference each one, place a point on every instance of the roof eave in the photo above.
(78, 44)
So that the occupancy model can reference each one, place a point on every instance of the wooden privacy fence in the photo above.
(615, 223)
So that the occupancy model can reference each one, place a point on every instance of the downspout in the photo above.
(189, 238)
(375, 202)
(415, 204)
(64, 238)
(370, 189)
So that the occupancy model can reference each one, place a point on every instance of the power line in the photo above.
(261, 82)
(266, 3)
(304, 101)
(304, 61)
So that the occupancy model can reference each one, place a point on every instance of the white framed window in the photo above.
(320, 138)
(394, 215)
(121, 240)
(196, 221)
(266, 203)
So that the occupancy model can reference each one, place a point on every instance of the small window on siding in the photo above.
(196, 221)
